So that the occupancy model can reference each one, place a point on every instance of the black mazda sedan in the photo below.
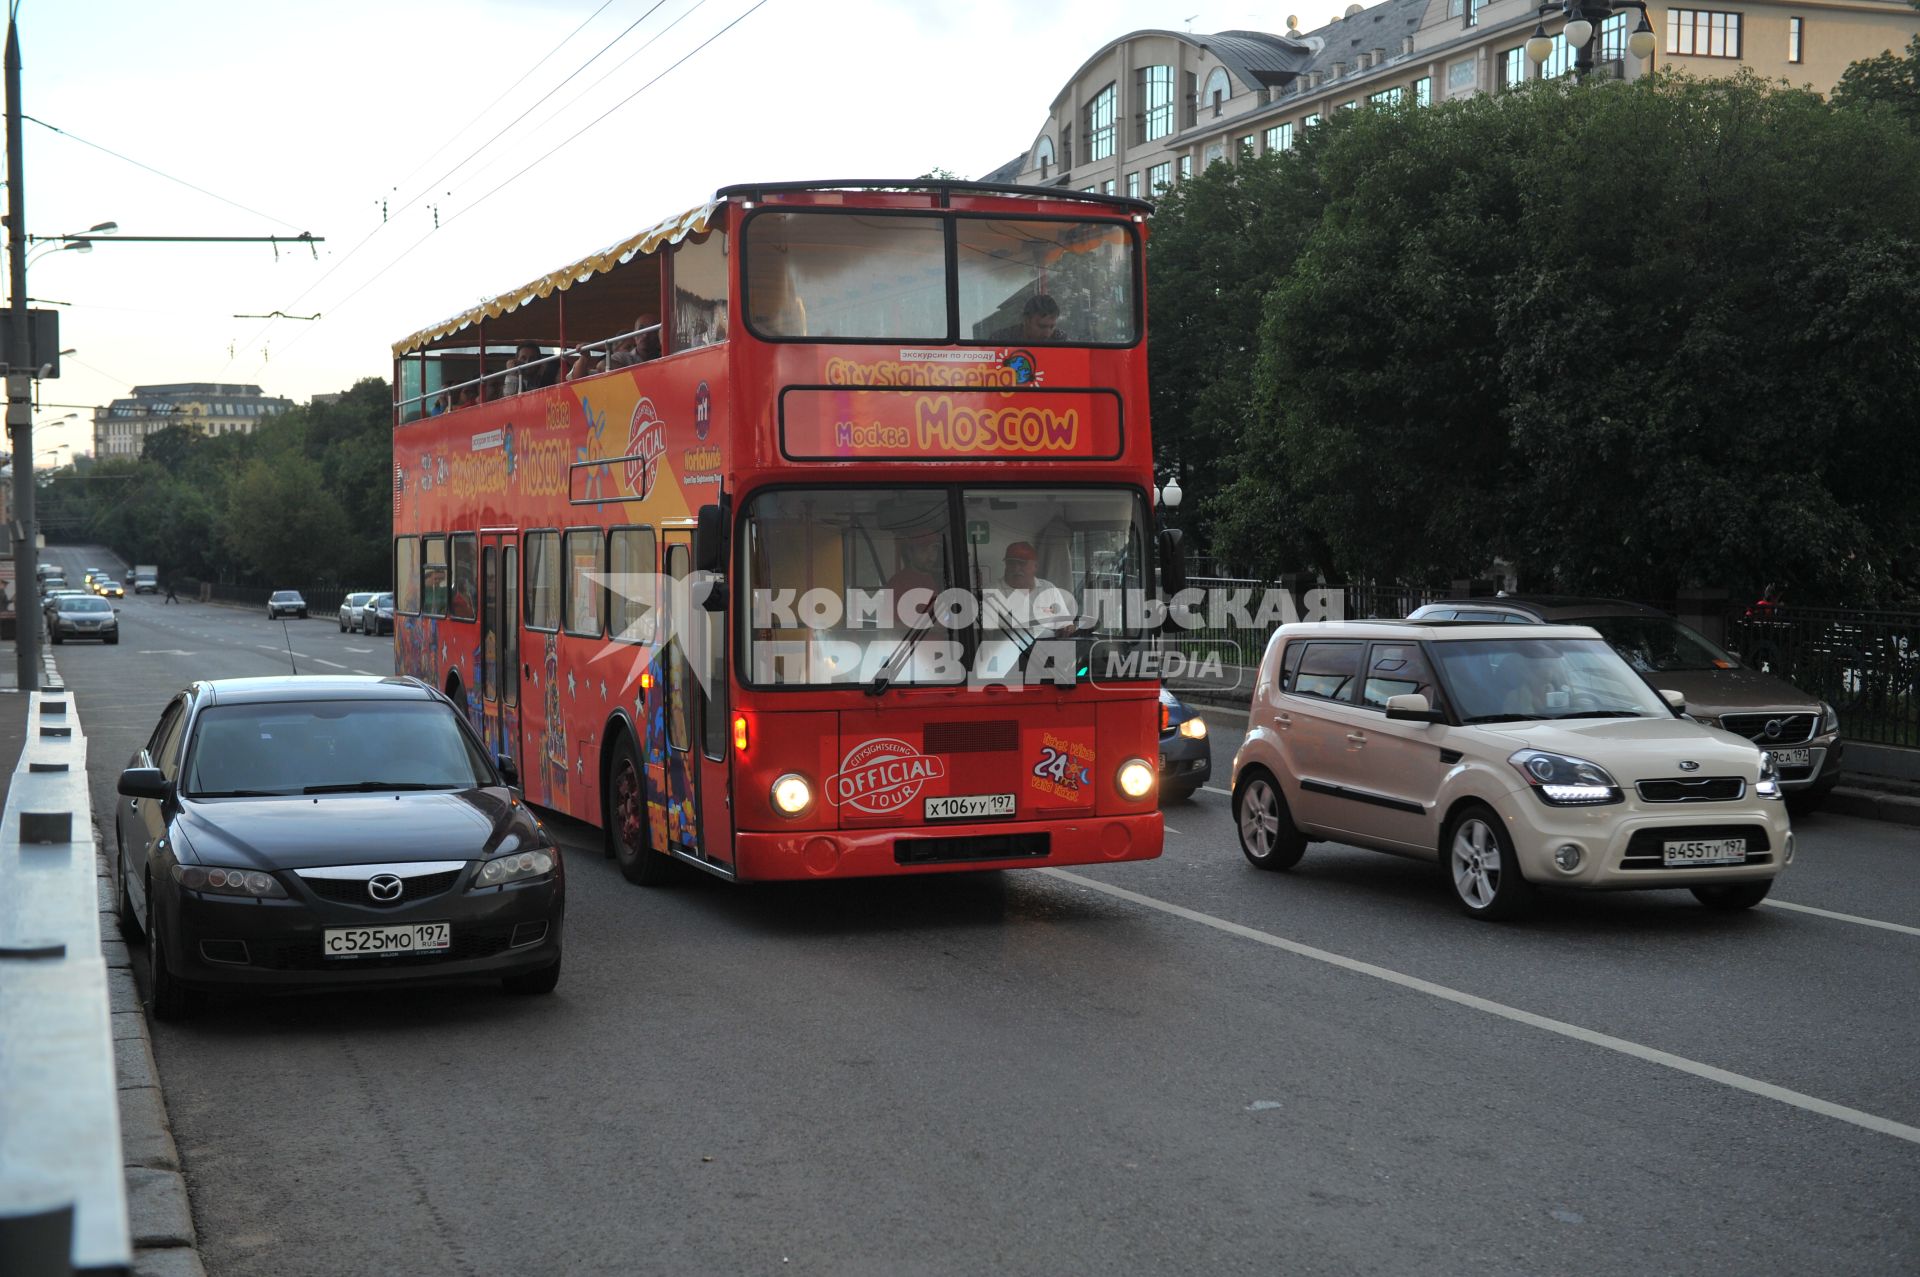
(301, 832)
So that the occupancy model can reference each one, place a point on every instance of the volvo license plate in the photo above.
(1791, 757)
(969, 806)
(1706, 851)
(367, 942)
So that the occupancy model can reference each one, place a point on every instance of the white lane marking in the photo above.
(1215, 789)
(172, 651)
(1652, 1055)
(1843, 917)
(363, 650)
(1170, 829)
(365, 672)
(329, 664)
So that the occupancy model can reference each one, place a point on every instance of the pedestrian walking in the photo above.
(171, 596)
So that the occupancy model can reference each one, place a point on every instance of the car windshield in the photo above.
(1659, 644)
(839, 583)
(357, 600)
(285, 596)
(1504, 680)
(331, 745)
(383, 600)
(84, 603)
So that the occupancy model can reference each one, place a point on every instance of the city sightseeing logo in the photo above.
(646, 444)
(1024, 367)
(883, 775)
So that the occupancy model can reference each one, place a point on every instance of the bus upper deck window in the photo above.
(699, 311)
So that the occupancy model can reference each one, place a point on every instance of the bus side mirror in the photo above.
(709, 539)
(1173, 561)
(708, 590)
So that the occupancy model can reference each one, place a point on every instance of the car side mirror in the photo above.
(1412, 707)
(1676, 701)
(1173, 561)
(509, 770)
(145, 782)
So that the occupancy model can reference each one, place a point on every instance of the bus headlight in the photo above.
(1135, 778)
(792, 794)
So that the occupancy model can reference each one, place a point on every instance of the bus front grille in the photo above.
(937, 851)
(987, 737)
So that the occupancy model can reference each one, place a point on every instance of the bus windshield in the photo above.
(873, 276)
(939, 585)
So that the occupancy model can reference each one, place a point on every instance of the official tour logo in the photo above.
(883, 775)
(646, 444)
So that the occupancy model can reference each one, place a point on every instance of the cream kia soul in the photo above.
(1517, 756)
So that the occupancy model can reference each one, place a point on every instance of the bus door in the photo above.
(500, 671)
(695, 785)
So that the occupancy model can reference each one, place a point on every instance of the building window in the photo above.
(1560, 61)
(1219, 89)
(1385, 97)
(1186, 167)
(1423, 91)
(1133, 186)
(1106, 187)
(1350, 104)
(1246, 146)
(1311, 120)
(1280, 138)
(1215, 152)
(1703, 33)
(1156, 99)
(1613, 38)
(1066, 146)
(1159, 178)
(1456, 8)
(1462, 77)
(1043, 156)
(1513, 67)
(1473, 12)
(1100, 114)
(1795, 28)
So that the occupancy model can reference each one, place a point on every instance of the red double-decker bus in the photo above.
(792, 536)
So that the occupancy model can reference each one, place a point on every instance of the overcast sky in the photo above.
(302, 117)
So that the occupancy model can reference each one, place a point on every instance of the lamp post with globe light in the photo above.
(1584, 20)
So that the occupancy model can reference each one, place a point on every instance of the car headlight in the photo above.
(215, 880)
(1135, 778)
(1829, 719)
(792, 794)
(1564, 781)
(1194, 728)
(1769, 786)
(518, 867)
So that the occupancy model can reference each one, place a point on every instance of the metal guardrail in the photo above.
(320, 603)
(1866, 664)
(60, 1154)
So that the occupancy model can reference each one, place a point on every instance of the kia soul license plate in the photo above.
(1706, 851)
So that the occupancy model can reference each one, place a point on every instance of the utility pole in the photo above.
(19, 358)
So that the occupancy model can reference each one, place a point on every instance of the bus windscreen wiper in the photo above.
(901, 652)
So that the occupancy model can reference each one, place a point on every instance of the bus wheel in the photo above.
(626, 820)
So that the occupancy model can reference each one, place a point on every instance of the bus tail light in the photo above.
(740, 733)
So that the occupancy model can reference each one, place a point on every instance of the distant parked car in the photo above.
(1186, 760)
(377, 618)
(78, 616)
(351, 609)
(1800, 732)
(286, 603)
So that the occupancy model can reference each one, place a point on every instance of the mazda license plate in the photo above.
(1706, 851)
(367, 942)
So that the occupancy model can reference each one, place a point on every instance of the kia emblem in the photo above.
(1688, 765)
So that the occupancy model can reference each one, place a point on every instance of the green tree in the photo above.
(1889, 82)
(1633, 337)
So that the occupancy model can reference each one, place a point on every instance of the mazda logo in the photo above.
(1774, 728)
(1689, 765)
(385, 887)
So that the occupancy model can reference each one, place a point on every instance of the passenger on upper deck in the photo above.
(526, 371)
(1039, 321)
(639, 346)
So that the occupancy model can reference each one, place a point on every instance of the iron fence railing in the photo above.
(321, 603)
(1237, 615)
(1866, 664)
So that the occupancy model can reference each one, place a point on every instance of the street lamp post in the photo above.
(26, 551)
(1584, 20)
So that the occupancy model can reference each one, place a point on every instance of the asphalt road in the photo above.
(1225, 1071)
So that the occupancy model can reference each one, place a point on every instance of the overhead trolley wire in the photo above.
(541, 159)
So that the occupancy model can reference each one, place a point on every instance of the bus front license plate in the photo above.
(367, 942)
(1711, 851)
(969, 806)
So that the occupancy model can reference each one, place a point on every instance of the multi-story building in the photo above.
(1151, 107)
(210, 408)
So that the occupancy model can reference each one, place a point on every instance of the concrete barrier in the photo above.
(59, 1101)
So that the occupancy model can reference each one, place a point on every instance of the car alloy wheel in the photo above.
(1482, 870)
(1268, 838)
